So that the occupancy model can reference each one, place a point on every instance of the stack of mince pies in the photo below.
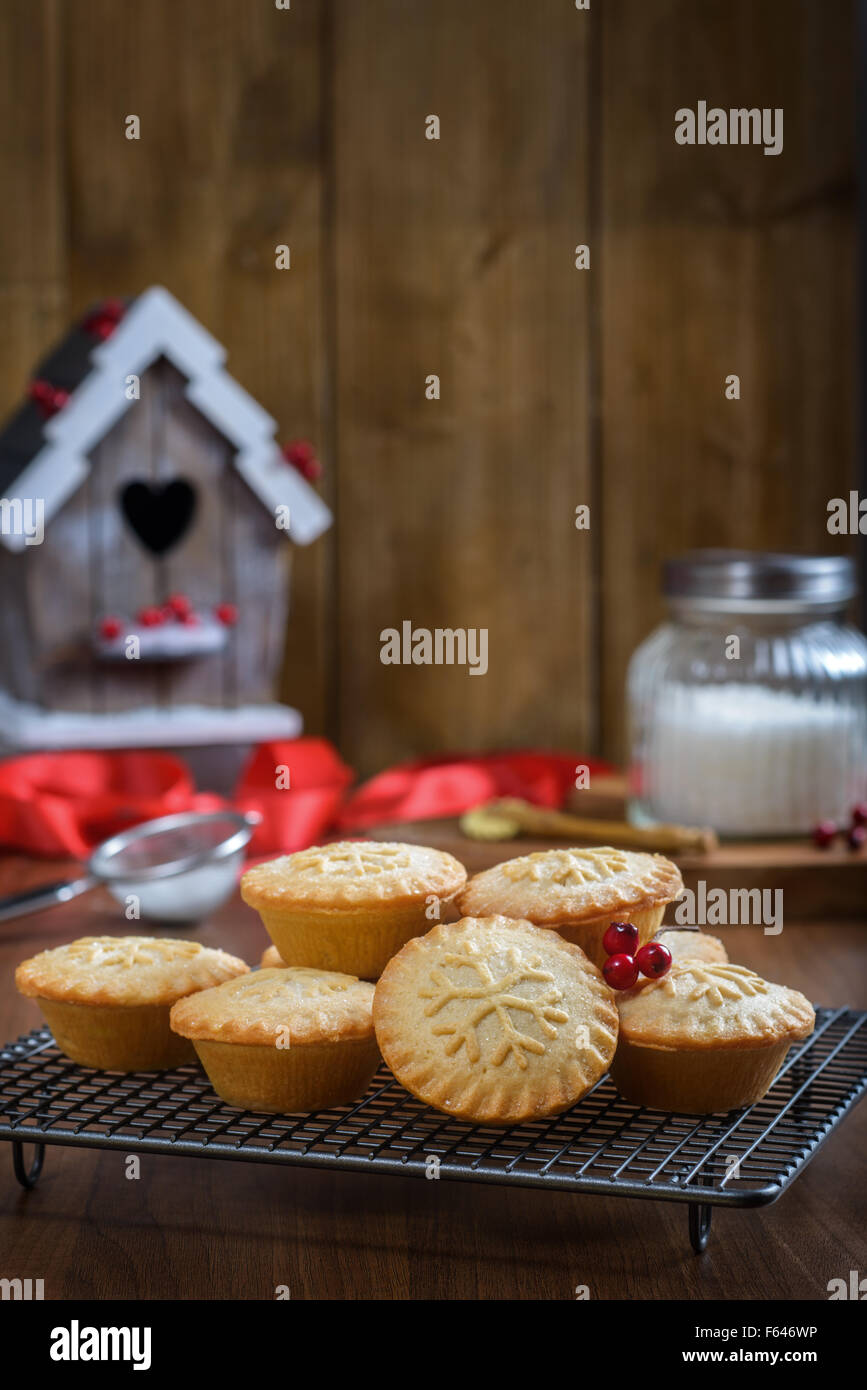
(491, 1000)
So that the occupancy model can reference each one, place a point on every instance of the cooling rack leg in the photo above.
(28, 1177)
(699, 1225)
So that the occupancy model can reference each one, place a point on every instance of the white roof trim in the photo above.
(156, 325)
(230, 409)
(95, 406)
(276, 484)
(54, 476)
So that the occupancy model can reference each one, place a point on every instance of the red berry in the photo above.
(857, 837)
(151, 617)
(654, 960)
(859, 813)
(299, 451)
(227, 613)
(40, 391)
(824, 834)
(301, 454)
(620, 938)
(102, 322)
(47, 398)
(620, 971)
(179, 605)
(190, 619)
(110, 628)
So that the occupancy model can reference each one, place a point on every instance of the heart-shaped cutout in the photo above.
(158, 513)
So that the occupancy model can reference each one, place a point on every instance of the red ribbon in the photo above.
(301, 813)
(65, 803)
(451, 783)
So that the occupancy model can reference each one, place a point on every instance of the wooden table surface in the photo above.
(194, 1228)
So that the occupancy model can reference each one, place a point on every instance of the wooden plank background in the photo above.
(411, 257)
(716, 262)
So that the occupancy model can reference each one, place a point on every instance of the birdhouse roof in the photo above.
(47, 459)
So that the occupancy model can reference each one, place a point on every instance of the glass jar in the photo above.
(748, 707)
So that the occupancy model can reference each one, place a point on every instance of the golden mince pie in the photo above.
(578, 892)
(693, 945)
(272, 959)
(707, 1036)
(494, 1021)
(349, 906)
(285, 1040)
(107, 999)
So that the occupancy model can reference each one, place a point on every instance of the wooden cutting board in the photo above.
(815, 883)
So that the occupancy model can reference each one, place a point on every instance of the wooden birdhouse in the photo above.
(146, 518)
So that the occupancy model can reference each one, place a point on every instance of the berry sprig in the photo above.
(151, 616)
(178, 608)
(104, 319)
(227, 614)
(826, 832)
(625, 963)
(48, 398)
(301, 454)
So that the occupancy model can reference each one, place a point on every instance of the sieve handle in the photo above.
(46, 895)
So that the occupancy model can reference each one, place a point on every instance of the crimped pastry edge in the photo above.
(33, 982)
(699, 936)
(183, 1020)
(475, 901)
(797, 1022)
(444, 881)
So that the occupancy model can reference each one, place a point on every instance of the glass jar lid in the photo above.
(758, 580)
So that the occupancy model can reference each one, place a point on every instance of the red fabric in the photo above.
(66, 803)
(451, 783)
(302, 813)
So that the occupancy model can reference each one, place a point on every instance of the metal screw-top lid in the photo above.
(759, 579)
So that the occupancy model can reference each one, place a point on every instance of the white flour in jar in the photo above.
(749, 760)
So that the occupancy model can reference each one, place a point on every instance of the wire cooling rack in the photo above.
(741, 1158)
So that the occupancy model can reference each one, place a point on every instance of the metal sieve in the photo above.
(179, 868)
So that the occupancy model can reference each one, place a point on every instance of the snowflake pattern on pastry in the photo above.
(120, 970)
(301, 982)
(714, 983)
(495, 994)
(353, 859)
(567, 868)
(126, 952)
